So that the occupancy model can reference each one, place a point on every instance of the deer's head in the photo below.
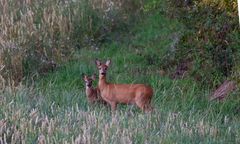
(102, 67)
(89, 80)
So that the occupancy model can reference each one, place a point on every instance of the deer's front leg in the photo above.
(113, 106)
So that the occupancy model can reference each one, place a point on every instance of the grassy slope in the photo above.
(57, 110)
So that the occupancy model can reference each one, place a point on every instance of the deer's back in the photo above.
(126, 93)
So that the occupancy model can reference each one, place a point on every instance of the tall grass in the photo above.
(59, 113)
(36, 35)
(33, 32)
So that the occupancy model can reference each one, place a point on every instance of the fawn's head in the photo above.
(102, 68)
(89, 80)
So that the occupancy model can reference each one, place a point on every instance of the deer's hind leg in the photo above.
(143, 102)
(139, 99)
(113, 105)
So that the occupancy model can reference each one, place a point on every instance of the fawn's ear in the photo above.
(84, 77)
(97, 62)
(108, 62)
(93, 77)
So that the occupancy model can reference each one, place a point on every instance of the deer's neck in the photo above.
(89, 90)
(102, 82)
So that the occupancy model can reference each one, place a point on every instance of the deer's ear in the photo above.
(97, 62)
(108, 62)
(93, 77)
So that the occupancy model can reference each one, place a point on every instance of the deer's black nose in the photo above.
(103, 73)
(88, 85)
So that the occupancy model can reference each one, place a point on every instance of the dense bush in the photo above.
(211, 41)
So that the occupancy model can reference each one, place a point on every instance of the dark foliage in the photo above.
(210, 40)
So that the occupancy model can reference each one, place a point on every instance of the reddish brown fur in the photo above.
(113, 94)
(93, 94)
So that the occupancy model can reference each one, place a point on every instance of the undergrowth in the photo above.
(210, 45)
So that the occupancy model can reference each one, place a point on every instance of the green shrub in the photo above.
(208, 42)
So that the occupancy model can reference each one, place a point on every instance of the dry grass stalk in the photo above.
(223, 90)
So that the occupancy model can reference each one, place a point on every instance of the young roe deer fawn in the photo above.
(113, 94)
(93, 94)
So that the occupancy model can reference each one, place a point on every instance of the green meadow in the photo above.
(53, 108)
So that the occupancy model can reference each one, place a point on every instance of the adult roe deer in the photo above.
(93, 94)
(113, 94)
